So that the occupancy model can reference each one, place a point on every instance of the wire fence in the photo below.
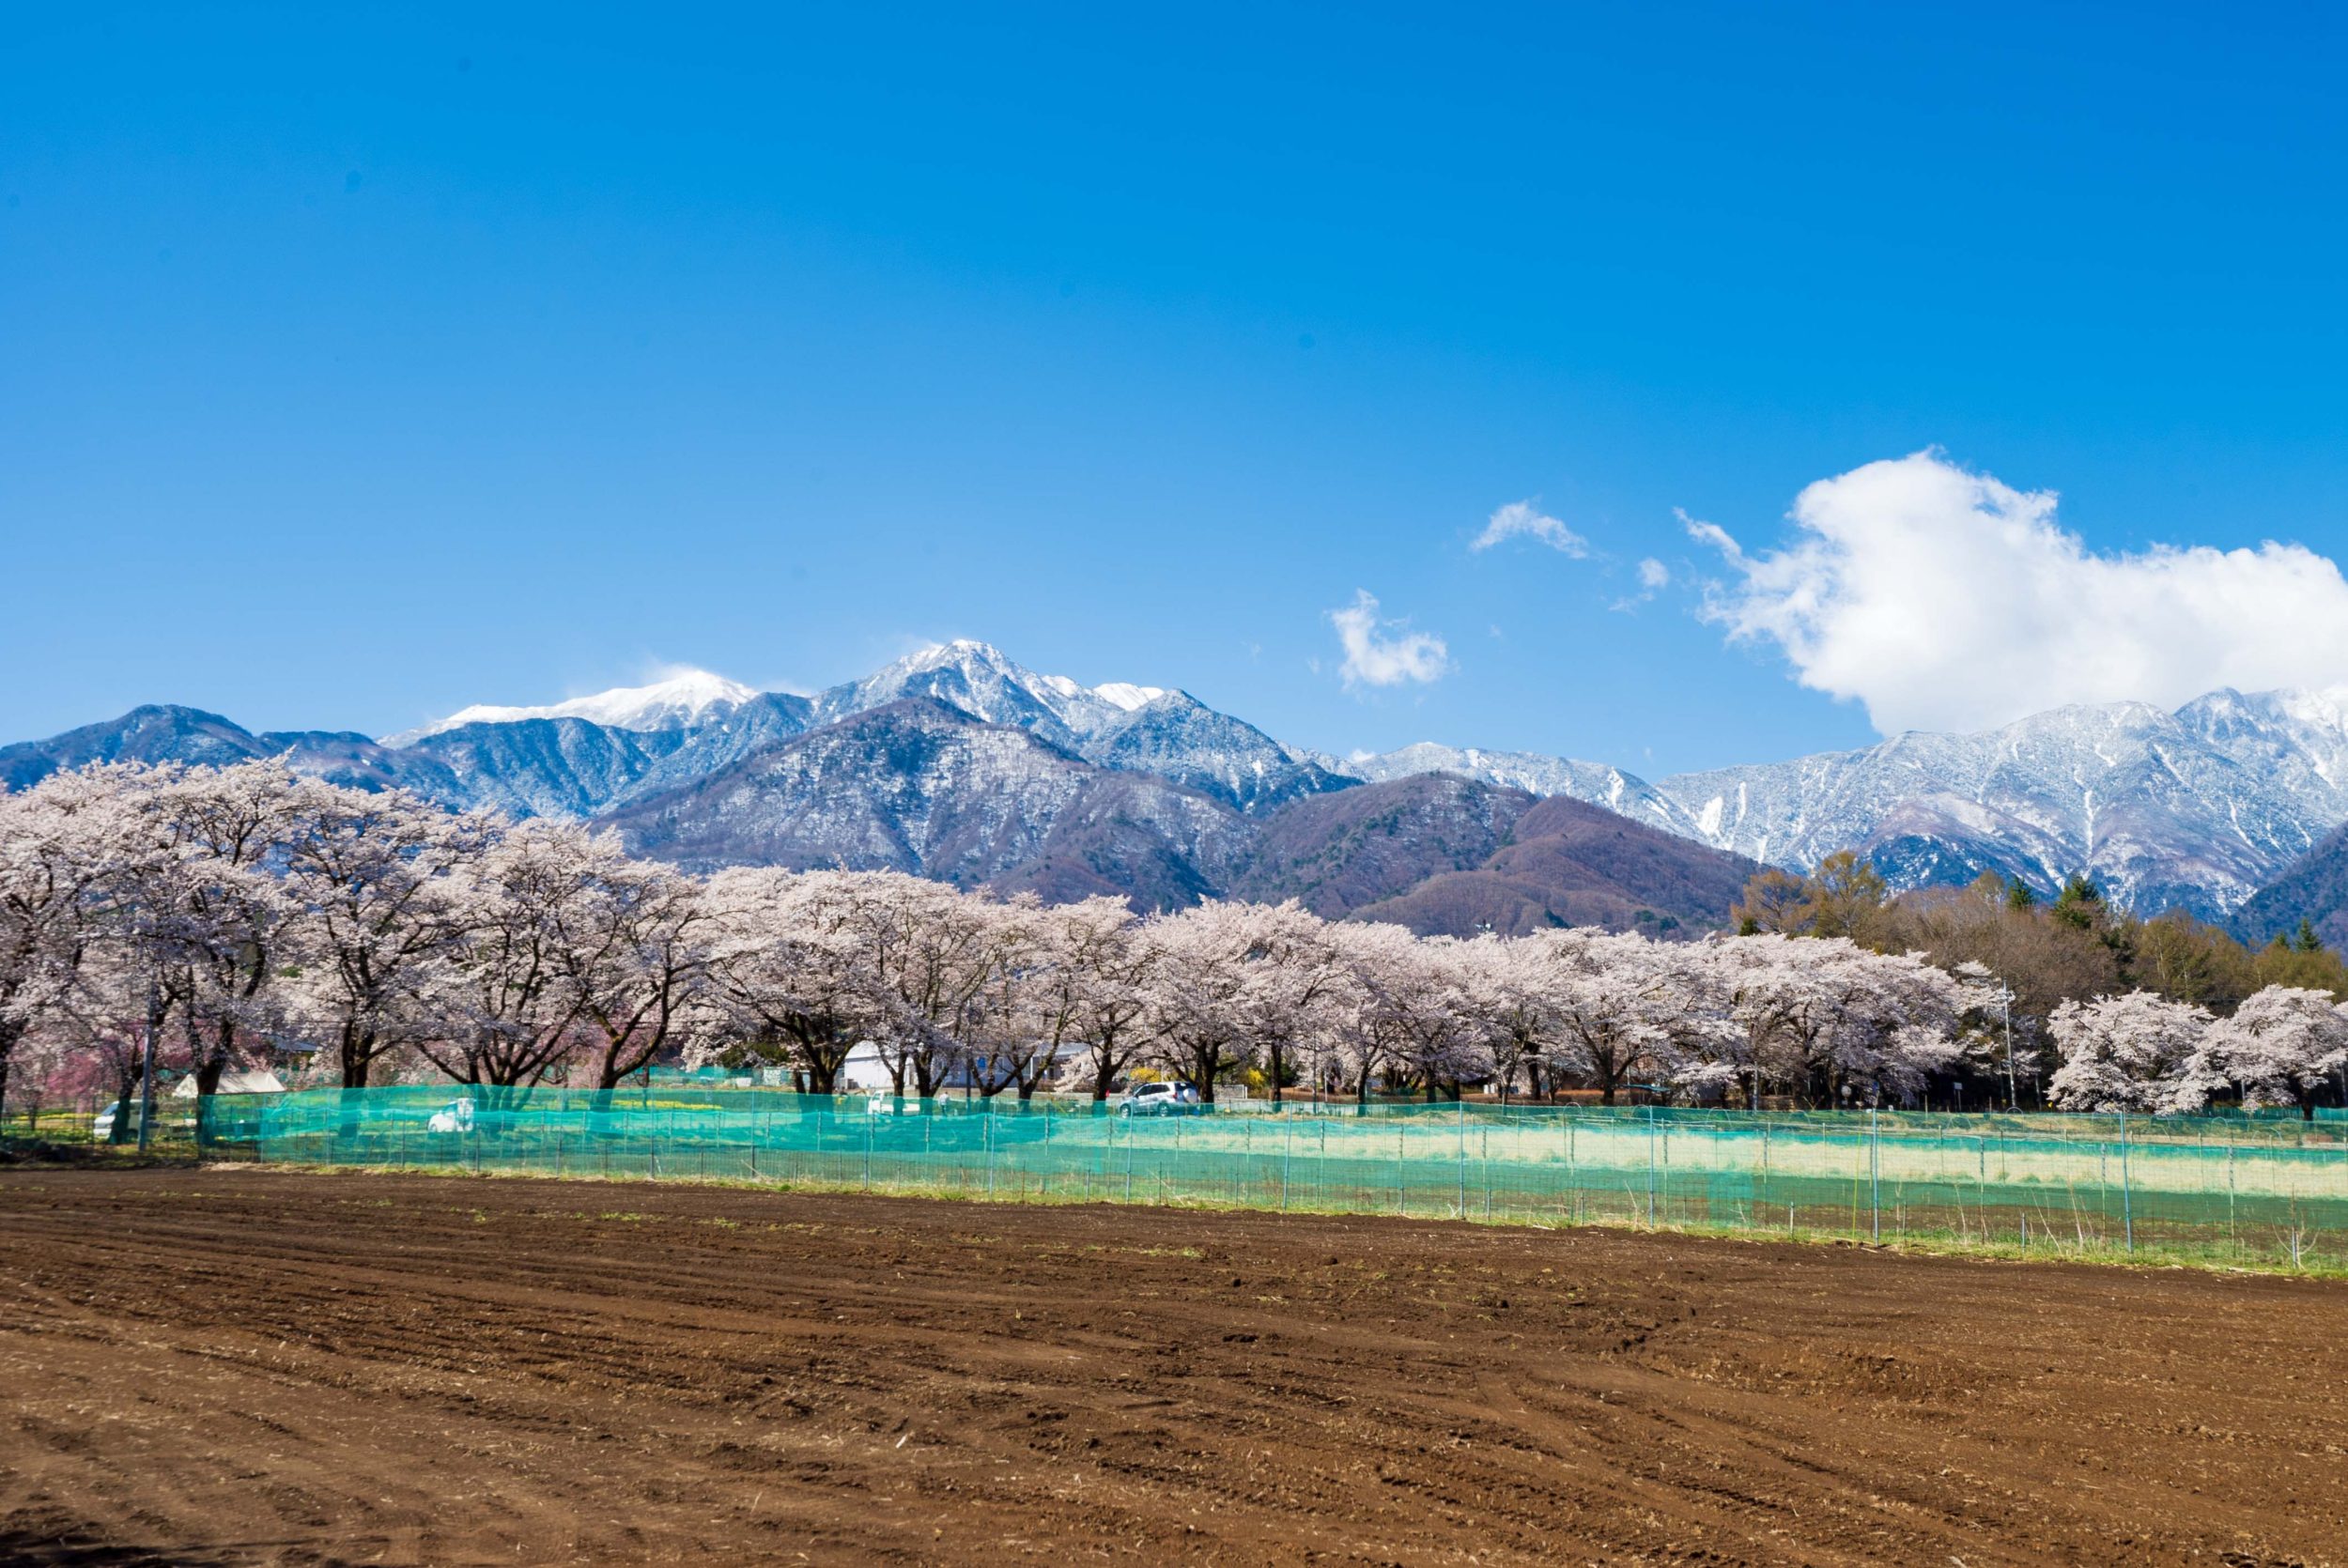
(2250, 1189)
(90, 1120)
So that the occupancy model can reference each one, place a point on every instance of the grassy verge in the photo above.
(2214, 1256)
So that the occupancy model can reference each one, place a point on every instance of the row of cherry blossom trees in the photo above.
(224, 915)
(2283, 1046)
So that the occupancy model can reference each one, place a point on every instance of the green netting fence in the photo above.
(2255, 1188)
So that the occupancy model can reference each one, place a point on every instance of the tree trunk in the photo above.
(358, 1054)
(121, 1132)
(1206, 1061)
(11, 1034)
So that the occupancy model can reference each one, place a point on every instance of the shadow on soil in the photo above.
(43, 1539)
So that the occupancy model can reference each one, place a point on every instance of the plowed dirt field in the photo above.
(231, 1367)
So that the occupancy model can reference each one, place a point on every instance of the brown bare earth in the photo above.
(226, 1367)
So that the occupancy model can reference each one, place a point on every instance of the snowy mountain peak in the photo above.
(1125, 696)
(985, 682)
(961, 651)
(686, 698)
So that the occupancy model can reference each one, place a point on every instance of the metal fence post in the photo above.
(1462, 1133)
(1288, 1158)
(2233, 1239)
(1573, 1177)
(1651, 1167)
(2127, 1204)
(1875, 1178)
(1401, 1197)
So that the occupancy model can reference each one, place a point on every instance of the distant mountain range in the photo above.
(959, 763)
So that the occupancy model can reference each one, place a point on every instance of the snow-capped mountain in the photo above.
(982, 680)
(2196, 808)
(917, 784)
(1595, 782)
(1115, 725)
(920, 786)
(687, 697)
(594, 754)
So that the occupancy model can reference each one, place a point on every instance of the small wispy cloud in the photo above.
(1381, 653)
(1522, 518)
(1654, 577)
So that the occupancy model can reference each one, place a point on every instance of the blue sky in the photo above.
(362, 366)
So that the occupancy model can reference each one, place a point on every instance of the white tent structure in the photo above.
(260, 1082)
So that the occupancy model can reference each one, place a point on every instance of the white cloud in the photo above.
(1519, 516)
(1945, 600)
(1654, 577)
(1385, 652)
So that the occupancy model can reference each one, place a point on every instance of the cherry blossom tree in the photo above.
(2284, 1045)
(1614, 999)
(1832, 1021)
(498, 1007)
(1015, 1024)
(55, 855)
(1294, 969)
(1098, 985)
(930, 951)
(632, 942)
(208, 903)
(1512, 987)
(1360, 1036)
(788, 965)
(1443, 1026)
(373, 878)
(1199, 998)
(2123, 1052)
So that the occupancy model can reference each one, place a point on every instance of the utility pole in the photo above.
(146, 1060)
(2005, 1004)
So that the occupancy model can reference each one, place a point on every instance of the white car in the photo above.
(455, 1117)
(1161, 1100)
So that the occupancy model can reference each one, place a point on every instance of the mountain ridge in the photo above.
(2198, 808)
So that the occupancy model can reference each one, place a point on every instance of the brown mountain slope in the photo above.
(1571, 864)
(1335, 853)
